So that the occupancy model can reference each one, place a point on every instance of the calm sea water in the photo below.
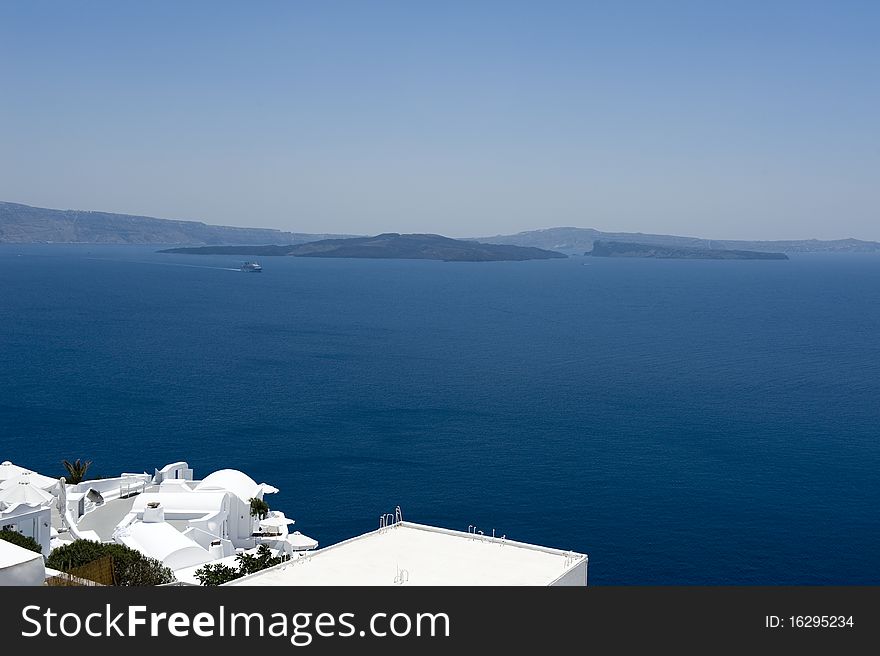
(681, 422)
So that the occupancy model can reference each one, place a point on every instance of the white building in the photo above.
(34, 521)
(160, 540)
(405, 553)
(187, 523)
(26, 498)
(217, 507)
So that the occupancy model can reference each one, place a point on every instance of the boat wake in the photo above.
(192, 266)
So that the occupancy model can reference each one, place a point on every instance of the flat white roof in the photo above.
(422, 555)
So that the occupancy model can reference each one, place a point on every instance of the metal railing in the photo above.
(129, 489)
(390, 519)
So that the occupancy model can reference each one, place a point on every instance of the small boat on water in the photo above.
(251, 267)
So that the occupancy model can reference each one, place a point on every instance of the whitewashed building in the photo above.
(26, 498)
(186, 523)
(406, 553)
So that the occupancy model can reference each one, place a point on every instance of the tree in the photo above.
(259, 508)
(76, 470)
(130, 566)
(217, 574)
(143, 572)
(21, 540)
(250, 563)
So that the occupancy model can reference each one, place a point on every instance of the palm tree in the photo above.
(76, 470)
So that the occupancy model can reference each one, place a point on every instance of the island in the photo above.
(389, 245)
(603, 248)
(24, 224)
(574, 241)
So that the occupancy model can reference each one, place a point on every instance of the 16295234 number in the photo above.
(821, 621)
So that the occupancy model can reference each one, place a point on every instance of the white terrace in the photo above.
(415, 554)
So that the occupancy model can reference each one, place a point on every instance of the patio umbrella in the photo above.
(62, 496)
(276, 521)
(24, 493)
(301, 542)
(35, 479)
(62, 501)
(8, 470)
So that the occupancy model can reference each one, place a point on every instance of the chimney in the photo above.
(216, 549)
(154, 513)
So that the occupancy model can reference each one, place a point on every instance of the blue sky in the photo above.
(726, 119)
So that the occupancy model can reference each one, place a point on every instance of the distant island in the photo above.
(390, 245)
(23, 224)
(578, 240)
(603, 248)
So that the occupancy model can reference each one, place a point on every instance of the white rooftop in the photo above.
(239, 483)
(19, 566)
(415, 554)
(165, 543)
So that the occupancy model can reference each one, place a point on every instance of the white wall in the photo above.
(173, 471)
(241, 523)
(110, 488)
(577, 575)
(33, 522)
(206, 540)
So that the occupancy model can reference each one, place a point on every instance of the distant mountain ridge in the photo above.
(580, 240)
(21, 224)
(389, 245)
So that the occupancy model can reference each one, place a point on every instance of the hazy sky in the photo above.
(725, 119)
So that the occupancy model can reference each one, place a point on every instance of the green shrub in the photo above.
(130, 567)
(21, 540)
(250, 563)
(217, 574)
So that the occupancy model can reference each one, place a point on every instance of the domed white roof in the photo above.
(237, 482)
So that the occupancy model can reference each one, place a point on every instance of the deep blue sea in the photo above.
(682, 422)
